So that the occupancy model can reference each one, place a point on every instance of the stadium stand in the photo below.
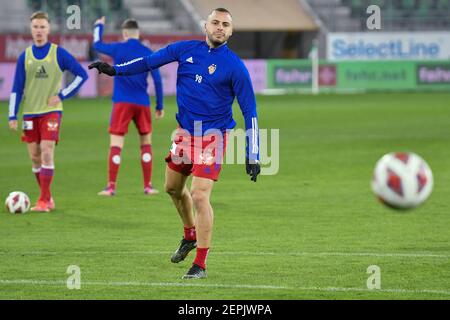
(184, 16)
(397, 15)
(263, 28)
(262, 15)
(153, 15)
(12, 16)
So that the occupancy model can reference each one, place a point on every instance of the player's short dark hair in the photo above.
(222, 10)
(40, 15)
(130, 24)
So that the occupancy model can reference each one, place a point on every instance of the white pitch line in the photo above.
(137, 283)
(237, 253)
(217, 285)
(445, 292)
(356, 254)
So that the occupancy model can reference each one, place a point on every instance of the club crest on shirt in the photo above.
(52, 125)
(212, 68)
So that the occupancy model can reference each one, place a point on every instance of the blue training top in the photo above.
(208, 80)
(132, 89)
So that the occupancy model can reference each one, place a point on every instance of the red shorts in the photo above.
(199, 156)
(124, 112)
(45, 127)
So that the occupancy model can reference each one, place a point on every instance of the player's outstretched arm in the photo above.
(103, 67)
(135, 66)
(143, 64)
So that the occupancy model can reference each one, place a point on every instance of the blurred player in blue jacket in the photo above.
(130, 102)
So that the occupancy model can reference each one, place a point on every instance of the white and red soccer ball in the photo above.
(17, 202)
(402, 180)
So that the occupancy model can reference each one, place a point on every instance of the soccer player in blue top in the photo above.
(210, 76)
(130, 102)
(37, 89)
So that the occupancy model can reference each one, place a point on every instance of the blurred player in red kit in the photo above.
(130, 102)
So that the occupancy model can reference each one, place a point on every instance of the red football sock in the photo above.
(37, 173)
(200, 257)
(189, 233)
(114, 164)
(146, 163)
(46, 177)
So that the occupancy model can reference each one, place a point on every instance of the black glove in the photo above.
(253, 168)
(103, 67)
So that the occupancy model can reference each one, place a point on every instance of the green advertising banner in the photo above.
(435, 75)
(374, 75)
(289, 74)
(360, 75)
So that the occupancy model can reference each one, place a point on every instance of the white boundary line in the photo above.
(138, 283)
(242, 253)
(212, 285)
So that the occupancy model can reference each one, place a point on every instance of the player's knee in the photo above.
(47, 161)
(47, 149)
(172, 190)
(36, 158)
(47, 157)
(199, 197)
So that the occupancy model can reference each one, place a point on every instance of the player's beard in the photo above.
(214, 42)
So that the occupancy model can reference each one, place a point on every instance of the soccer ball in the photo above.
(402, 180)
(17, 202)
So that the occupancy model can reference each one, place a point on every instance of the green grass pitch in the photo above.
(308, 232)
